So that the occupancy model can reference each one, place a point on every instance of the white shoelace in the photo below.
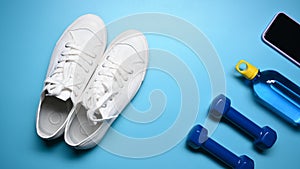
(71, 54)
(103, 96)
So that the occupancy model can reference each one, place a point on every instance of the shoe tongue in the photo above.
(63, 95)
(58, 86)
(102, 114)
(99, 115)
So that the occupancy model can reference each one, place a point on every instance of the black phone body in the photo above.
(283, 34)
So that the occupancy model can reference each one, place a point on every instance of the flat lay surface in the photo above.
(193, 49)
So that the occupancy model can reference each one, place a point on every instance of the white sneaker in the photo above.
(112, 86)
(73, 62)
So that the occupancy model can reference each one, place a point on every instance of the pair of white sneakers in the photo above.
(88, 85)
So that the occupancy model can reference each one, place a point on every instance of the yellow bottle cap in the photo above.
(249, 71)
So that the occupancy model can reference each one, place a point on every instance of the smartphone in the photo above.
(283, 34)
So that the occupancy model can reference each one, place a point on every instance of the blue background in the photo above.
(30, 29)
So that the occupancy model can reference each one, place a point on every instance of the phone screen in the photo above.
(283, 34)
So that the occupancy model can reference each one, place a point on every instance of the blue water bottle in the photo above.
(274, 91)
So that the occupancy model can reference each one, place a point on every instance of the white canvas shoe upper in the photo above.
(73, 61)
(116, 80)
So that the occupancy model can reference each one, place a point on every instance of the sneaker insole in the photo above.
(53, 114)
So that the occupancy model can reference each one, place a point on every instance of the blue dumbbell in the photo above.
(197, 138)
(264, 137)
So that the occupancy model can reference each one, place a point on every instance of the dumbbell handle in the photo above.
(264, 137)
(221, 152)
(242, 122)
(198, 138)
